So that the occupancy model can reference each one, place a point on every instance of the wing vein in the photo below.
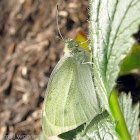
(68, 89)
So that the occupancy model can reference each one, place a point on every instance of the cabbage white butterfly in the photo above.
(71, 99)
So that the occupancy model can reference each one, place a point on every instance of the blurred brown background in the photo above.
(29, 50)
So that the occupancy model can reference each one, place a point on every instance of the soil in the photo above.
(29, 50)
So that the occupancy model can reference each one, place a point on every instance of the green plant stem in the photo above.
(121, 127)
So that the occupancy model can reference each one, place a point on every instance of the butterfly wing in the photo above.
(71, 98)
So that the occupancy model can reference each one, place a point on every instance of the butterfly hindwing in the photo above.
(70, 99)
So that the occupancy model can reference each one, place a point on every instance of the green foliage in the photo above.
(132, 61)
(112, 23)
(131, 114)
(100, 128)
(72, 134)
(117, 115)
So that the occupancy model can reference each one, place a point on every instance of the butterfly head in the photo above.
(75, 50)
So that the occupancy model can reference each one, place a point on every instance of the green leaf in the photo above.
(130, 115)
(100, 128)
(131, 61)
(112, 22)
(70, 135)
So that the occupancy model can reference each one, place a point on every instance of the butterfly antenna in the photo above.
(58, 24)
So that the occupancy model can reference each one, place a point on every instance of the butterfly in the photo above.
(70, 97)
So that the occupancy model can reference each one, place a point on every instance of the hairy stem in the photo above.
(121, 127)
